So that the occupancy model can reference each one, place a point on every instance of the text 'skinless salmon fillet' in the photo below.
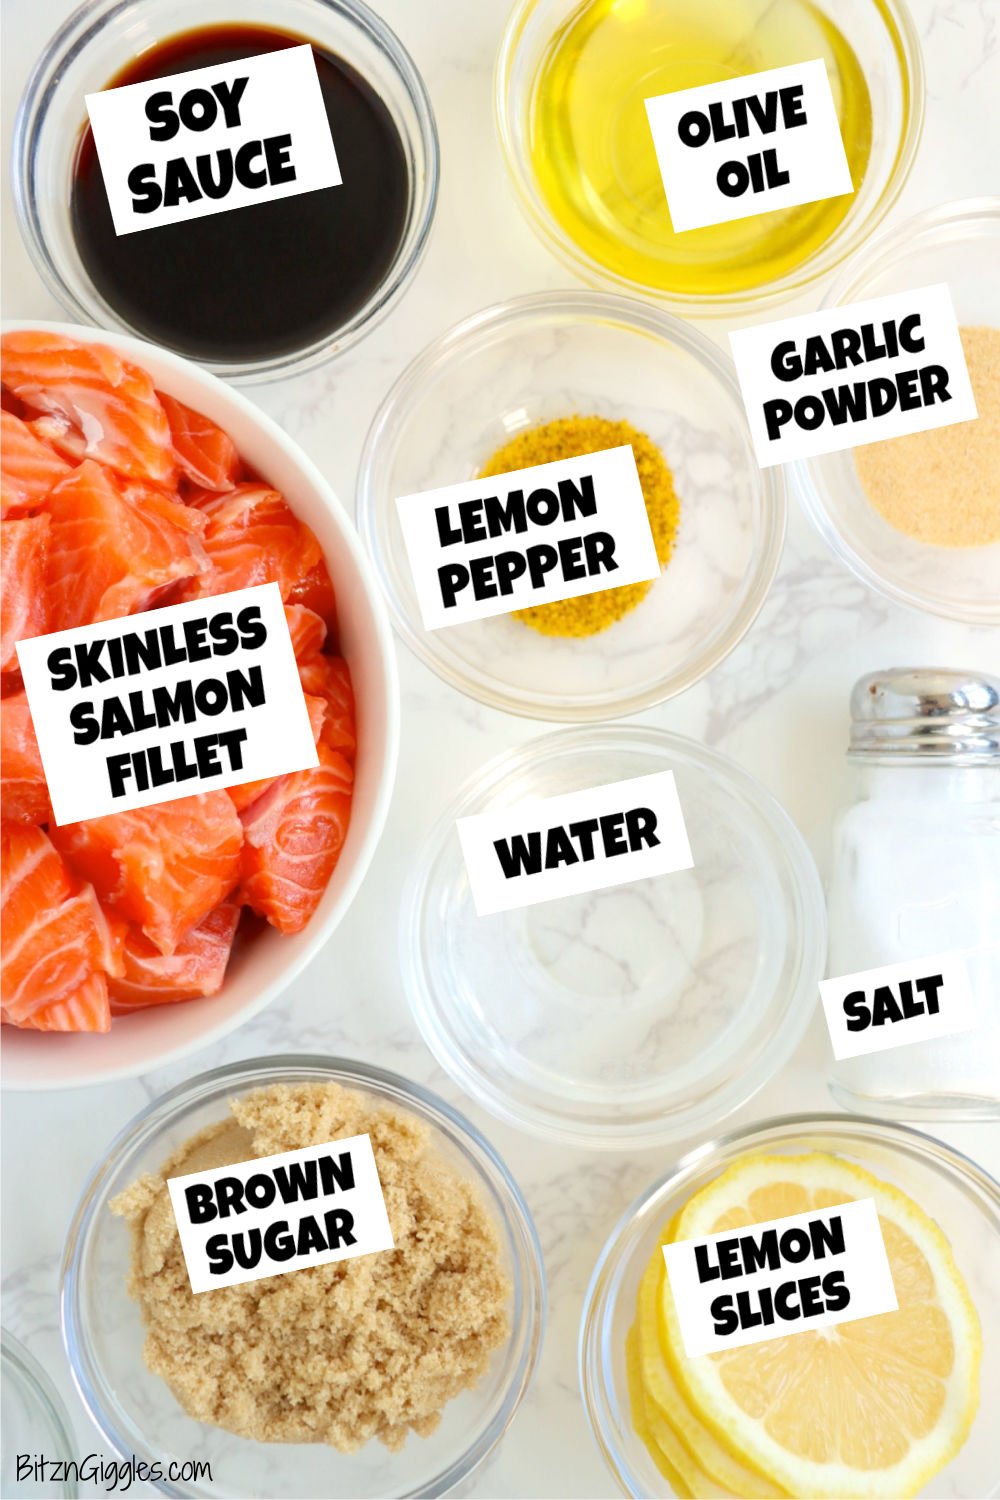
(117, 499)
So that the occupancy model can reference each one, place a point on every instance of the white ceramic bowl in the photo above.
(33, 1060)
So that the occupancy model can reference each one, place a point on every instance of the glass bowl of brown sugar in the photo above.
(257, 1362)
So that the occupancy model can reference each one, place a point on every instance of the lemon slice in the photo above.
(665, 1402)
(874, 1407)
(666, 1450)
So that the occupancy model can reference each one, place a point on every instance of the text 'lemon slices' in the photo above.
(873, 1407)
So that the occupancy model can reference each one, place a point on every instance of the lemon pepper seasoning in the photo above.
(568, 437)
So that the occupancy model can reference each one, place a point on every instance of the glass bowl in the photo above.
(640, 1013)
(34, 1422)
(135, 1411)
(957, 243)
(550, 355)
(953, 1190)
(102, 36)
(887, 46)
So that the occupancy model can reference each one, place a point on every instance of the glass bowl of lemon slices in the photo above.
(898, 1404)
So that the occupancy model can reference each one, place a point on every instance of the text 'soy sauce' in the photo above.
(267, 279)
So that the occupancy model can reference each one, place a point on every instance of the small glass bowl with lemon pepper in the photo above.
(551, 376)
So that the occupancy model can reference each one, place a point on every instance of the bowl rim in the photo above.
(423, 989)
(528, 1268)
(221, 394)
(906, 45)
(585, 306)
(71, 39)
(893, 244)
(757, 1134)
(28, 1369)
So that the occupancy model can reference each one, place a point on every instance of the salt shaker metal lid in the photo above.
(919, 714)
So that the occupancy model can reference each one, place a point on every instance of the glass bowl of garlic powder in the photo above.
(315, 1382)
(918, 517)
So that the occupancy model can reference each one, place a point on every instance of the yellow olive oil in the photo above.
(592, 148)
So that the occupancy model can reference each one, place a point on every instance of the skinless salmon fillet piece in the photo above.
(315, 590)
(162, 868)
(54, 937)
(59, 434)
(328, 677)
(205, 454)
(23, 790)
(249, 791)
(24, 601)
(196, 967)
(253, 537)
(120, 499)
(294, 835)
(110, 402)
(87, 1008)
(306, 629)
(110, 555)
(29, 467)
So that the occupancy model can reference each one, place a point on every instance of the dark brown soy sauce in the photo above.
(271, 278)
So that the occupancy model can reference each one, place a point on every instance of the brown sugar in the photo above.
(367, 1348)
(943, 487)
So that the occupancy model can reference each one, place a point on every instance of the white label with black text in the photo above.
(552, 531)
(749, 145)
(212, 139)
(915, 1001)
(150, 707)
(575, 842)
(790, 1275)
(845, 376)
(280, 1213)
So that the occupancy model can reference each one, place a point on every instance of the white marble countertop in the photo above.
(778, 705)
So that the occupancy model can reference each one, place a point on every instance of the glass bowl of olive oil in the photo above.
(572, 79)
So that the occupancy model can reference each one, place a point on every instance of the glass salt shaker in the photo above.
(916, 872)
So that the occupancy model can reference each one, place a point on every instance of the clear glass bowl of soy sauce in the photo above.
(309, 286)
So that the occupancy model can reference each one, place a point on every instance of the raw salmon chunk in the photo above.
(294, 835)
(109, 401)
(24, 603)
(196, 967)
(29, 467)
(59, 434)
(328, 678)
(109, 555)
(249, 791)
(306, 629)
(205, 454)
(87, 1008)
(164, 867)
(24, 796)
(118, 499)
(253, 537)
(54, 936)
(315, 590)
